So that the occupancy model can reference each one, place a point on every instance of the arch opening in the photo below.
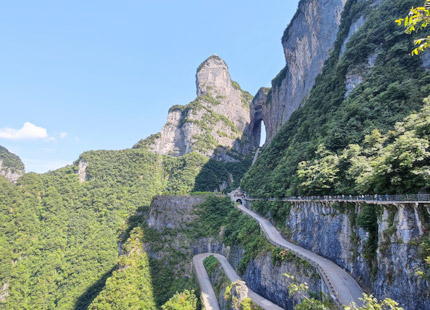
(262, 133)
(259, 133)
(239, 201)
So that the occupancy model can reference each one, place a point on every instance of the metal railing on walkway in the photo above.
(379, 199)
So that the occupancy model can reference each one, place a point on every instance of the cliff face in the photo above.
(173, 243)
(307, 43)
(11, 165)
(333, 231)
(215, 124)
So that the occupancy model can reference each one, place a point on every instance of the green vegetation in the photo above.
(368, 220)
(130, 286)
(322, 136)
(182, 301)
(240, 230)
(371, 303)
(145, 143)
(248, 304)
(210, 99)
(278, 210)
(217, 172)
(59, 238)
(219, 279)
(417, 19)
(211, 264)
(10, 161)
(301, 290)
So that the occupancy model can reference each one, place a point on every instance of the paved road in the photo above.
(209, 298)
(339, 282)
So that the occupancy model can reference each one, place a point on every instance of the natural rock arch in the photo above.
(258, 117)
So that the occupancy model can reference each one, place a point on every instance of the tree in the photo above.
(371, 303)
(181, 301)
(318, 175)
(417, 19)
(302, 291)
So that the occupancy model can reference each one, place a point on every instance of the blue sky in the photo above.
(102, 74)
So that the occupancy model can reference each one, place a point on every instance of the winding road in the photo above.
(343, 288)
(210, 300)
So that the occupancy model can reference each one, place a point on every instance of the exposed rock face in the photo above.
(215, 124)
(171, 217)
(307, 44)
(268, 280)
(352, 30)
(82, 172)
(11, 165)
(4, 292)
(333, 233)
(173, 212)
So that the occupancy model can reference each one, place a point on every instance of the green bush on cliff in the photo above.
(10, 160)
(182, 301)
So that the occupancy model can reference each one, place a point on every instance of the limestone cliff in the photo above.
(307, 43)
(384, 260)
(215, 124)
(173, 243)
(11, 165)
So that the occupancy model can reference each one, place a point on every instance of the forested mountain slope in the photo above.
(351, 113)
(60, 236)
(79, 237)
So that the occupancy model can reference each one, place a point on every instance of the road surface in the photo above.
(341, 285)
(208, 295)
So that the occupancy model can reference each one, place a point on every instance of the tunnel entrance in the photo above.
(239, 201)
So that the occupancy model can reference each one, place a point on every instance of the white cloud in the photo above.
(77, 139)
(28, 131)
(50, 139)
(63, 135)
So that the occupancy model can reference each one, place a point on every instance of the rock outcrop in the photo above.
(11, 165)
(170, 221)
(307, 43)
(331, 230)
(215, 124)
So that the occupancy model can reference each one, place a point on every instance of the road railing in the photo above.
(406, 198)
(333, 293)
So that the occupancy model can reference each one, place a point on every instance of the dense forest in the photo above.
(332, 138)
(61, 236)
(71, 243)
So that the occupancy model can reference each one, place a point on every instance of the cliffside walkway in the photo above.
(210, 300)
(343, 288)
(370, 199)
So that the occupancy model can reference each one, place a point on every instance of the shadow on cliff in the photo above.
(85, 300)
(221, 176)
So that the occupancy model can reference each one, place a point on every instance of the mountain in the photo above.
(369, 82)
(11, 165)
(348, 115)
(215, 124)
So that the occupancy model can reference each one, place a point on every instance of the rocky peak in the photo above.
(215, 124)
(213, 77)
(11, 165)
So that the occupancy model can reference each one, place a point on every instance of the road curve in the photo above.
(339, 282)
(208, 295)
